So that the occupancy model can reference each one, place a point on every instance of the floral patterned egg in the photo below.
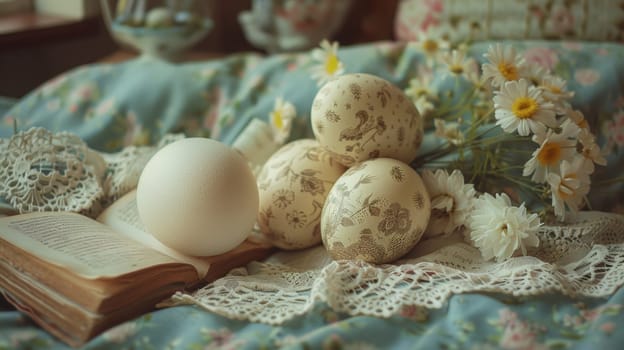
(377, 211)
(293, 186)
(361, 116)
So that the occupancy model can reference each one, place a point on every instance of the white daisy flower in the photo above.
(457, 63)
(569, 187)
(432, 43)
(499, 229)
(422, 92)
(451, 201)
(449, 131)
(421, 86)
(577, 117)
(534, 73)
(555, 91)
(329, 65)
(424, 106)
(281, 119)
(521, 107)
(590, 151)
(504, 65)
(554, 147)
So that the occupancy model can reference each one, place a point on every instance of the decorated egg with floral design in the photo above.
(361, 116)
(293, 185)
(377, 211)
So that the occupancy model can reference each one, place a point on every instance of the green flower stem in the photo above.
(449, 108)
(456, 110)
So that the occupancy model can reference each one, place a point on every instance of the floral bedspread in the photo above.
(137, 102)
(469, 321)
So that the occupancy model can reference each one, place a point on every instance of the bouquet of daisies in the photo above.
(507, 150)
(521, 139)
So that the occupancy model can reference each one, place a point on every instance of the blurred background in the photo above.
(40, 39)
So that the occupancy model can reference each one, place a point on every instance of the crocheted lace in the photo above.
(45, 171)
(582, 258)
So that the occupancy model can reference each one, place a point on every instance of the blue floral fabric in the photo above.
(136, 102)
(469, 321)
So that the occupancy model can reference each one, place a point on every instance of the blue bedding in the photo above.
(469, 321)
(137, 102)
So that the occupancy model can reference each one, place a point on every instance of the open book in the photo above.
(77, 277)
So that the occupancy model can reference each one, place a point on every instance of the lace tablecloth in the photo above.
(579, 259)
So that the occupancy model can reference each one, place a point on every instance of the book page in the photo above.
(79, 243)
(123, 217)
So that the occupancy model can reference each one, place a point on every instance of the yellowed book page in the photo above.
(123, 217)
(83, 245)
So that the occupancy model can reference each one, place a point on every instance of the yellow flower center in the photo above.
(524, 107)
(549, 154)
(430, 46)
(456, 69)
(554, 89)
(509, 71)
(278, 121)
(331, 63)
(421, 92)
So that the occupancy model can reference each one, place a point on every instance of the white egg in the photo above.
(377, 211)
(293, 186)
(159, 17)
(198, 196)
(361, 116)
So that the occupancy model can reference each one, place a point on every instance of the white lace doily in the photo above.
(583, 258)
(45, 171)
(42, 170)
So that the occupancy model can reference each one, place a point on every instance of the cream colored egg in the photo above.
(377, 211)
(361, 116)
(198, 196)
(293, 185)
(159, 17)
